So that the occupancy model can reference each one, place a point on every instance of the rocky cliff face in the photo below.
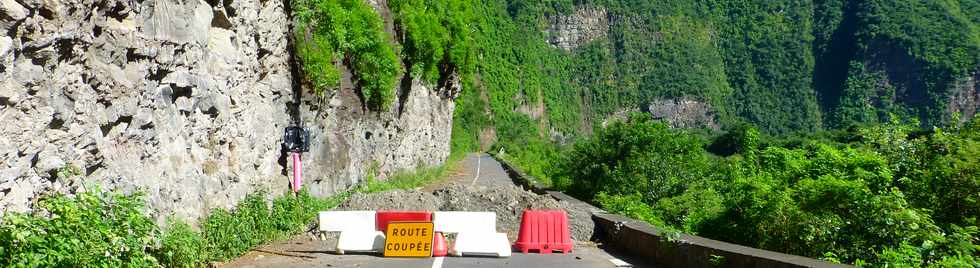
(577, 29)
(186, 101)
(683, 113)
(966, 98)
(680, 112)
(910, 79)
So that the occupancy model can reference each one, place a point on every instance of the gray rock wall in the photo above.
(965, 99)
(186, 101)
(577, 29)
(683, 113)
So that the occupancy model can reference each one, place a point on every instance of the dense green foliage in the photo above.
(878, 194)
(227, 234)
(90, 229)
(436, 36)
(784, 66)
(922, 47)
(875, 195)
(109, 229)
(330, 32)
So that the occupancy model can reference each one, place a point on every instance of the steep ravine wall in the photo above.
(186, 101)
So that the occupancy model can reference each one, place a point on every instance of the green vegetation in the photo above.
(330, 32)
(785, 66)
(878, 195)
(436, 36)
(110, 229)
(402, 180)
(820, 102)
(85, 230)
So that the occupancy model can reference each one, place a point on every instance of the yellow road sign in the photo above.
(408, 239)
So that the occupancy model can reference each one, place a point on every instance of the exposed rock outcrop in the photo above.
(677, 113)
(185, 100)
(683, 113)
(579, 28)
(966, 98)
(910, 79)
(348, 142)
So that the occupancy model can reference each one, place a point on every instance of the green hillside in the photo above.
(840, 132)
(786, 66)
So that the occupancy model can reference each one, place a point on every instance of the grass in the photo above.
(111, 229)
(404, 180)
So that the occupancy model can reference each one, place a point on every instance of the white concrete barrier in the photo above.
(476, 232)
(356, 229)
(464, 221)
(482, 243)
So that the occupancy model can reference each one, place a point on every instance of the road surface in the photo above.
(476, 170)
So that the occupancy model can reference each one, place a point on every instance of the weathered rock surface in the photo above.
(906, 75)
(966, 98)
(579, 28)
(683, 113)
(186, 101)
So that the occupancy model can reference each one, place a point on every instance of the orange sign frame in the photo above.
(408, 239)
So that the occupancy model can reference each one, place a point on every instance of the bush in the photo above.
(110, 229)
(638, 156)
(95, 228)
(884, 197)
(181, 246)
(330, 32)
(436, 36)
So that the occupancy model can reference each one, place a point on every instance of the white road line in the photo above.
(437, 263)
(620, 263)
(478, 158)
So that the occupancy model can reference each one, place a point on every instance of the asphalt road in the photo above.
(475, 170)
(303, 252)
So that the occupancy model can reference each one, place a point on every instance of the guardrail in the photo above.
(642, 240)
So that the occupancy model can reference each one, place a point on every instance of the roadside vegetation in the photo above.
(328, 32)
(880, 195)
(786, 67)
(823, 152)
(99, 228)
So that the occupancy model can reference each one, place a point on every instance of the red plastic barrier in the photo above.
(544, 231)
(439, 247)
(384, 217)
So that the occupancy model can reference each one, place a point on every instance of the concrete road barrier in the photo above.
(465, 221)
(482, 243)
(357, 230)
(476, 232)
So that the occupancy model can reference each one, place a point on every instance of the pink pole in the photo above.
(297, 172)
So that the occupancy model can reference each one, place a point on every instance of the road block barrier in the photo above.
(476, 232)
(544, 231)
(356, 229)
(495, 244)
(439, 247)
(385, 217)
